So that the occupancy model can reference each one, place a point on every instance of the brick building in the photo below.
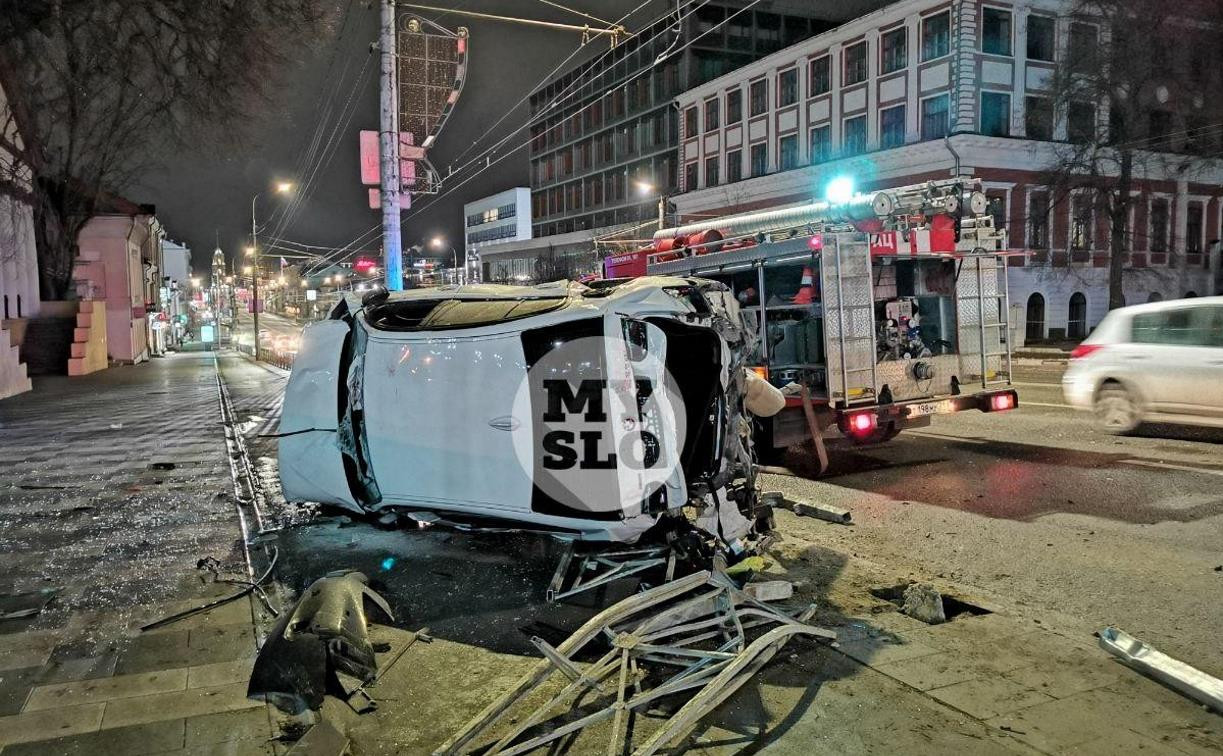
(874, 99)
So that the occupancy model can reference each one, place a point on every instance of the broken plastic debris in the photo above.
(1142, 656)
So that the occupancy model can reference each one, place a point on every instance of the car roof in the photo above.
(1168, 304)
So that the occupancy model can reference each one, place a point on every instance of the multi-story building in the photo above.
(604, 134)
(875, 98)
(497, 219)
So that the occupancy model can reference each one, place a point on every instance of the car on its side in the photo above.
(1157, 362)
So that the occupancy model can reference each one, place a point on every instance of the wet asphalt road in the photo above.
(1038, 511)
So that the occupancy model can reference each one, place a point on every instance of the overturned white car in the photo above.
(598, 411)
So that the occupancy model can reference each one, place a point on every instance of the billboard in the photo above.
(431, 69)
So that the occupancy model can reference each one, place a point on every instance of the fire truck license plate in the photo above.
(921, 409)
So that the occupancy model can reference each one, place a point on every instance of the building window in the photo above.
(995, 114)
(734, 166)
(690, 128)
(1193, 229)
(892, 127)
(759, 97)
(690, 178)
(1038, 220)
(1082, 46)
(854, 130)
(760, 159)
(1041, 38)
(1038, 118)
(787, 87)
(821, 144)
(894, 48)
(1081, 219)
(995, 31)
(1076, 319)
(1159, 225)
(855, 64)
(734, 106)
(935, 36)
(1035, 330)
(787, 152)
(711, 115)
(1081, 122)
(821, 76)
(711, 171)
(935, 117)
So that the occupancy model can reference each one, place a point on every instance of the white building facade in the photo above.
(500, 218)
(875, 98)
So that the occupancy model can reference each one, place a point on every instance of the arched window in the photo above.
(1076, 320)
(1036, 318)
(1155, 297)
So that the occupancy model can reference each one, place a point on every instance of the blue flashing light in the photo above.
(840, 190)
(388, 563)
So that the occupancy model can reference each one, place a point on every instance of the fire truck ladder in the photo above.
(983, 314)
(849, 319)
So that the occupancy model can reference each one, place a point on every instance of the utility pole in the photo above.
(389, 152)
(255, 276)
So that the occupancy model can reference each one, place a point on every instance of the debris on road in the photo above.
(323, 739)
(1201, 687)
(923, 602)
(597, 568)
(689, 635)
(29, 604)
(325, 639)
(770, 590)
(818, 510)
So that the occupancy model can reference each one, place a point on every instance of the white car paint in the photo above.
(1168, 376)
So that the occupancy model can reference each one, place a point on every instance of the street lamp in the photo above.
(645, 189)
(282, 187)
(438, 243)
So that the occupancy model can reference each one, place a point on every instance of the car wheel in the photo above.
(1116, 411)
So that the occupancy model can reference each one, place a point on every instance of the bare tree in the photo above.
(95, 89)
(1140, 86)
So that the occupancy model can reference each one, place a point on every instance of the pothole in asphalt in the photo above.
(953, 607)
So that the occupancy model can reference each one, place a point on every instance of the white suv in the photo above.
(1158, 362)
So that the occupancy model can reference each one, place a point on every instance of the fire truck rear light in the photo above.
(816, 242)
(761, 371)
(863, 422)
(1085, 350)
(1001, 402)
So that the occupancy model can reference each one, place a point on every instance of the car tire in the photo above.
(1116, 411)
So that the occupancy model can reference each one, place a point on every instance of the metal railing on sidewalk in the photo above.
(283, 360)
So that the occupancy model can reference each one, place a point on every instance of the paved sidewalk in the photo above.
(114, 485)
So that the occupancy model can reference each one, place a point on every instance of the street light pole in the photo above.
(255, 273)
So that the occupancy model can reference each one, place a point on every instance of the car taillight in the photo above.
(1085, 350)
(1001, 402)
(862, 423)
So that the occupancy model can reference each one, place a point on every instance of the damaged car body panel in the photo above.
(592, 411)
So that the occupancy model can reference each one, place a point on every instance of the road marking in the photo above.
(1023, 403)
(1170, 466)
(1043, 385)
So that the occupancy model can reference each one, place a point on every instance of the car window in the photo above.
(1180, 326)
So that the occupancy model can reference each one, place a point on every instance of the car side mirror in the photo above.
(375, 296)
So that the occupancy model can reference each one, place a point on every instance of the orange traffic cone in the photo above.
(806, 289)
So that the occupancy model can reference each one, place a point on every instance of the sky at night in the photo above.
(207, 192)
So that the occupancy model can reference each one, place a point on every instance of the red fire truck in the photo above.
(874, 311)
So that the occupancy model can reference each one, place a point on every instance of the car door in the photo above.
(1175, 364)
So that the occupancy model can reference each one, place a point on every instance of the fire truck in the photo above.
(875, 311)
